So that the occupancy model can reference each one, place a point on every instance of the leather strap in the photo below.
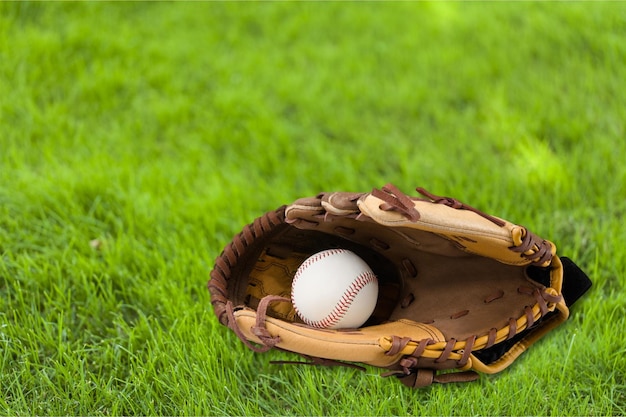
(424, 377)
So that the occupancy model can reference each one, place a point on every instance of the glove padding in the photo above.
(458, 289)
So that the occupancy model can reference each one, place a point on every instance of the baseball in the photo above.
(334, 289)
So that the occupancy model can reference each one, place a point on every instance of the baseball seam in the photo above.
(344, 303)
(314, 259)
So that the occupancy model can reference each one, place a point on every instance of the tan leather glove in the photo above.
(460, 291)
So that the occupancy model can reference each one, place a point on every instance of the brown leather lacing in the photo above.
(230, 256)
(409, 363)
(259, 330)
(456, 204)
(493, 297)
(533, 248)
(396, 200)
(424, 377)
(415, 377)
(543, 298)
(232, 324)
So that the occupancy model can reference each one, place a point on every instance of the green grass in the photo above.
(136, 139)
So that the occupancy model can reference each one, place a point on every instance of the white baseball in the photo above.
(334, 289)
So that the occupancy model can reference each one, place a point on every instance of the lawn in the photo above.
(137, 138)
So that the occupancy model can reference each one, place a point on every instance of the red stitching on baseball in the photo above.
(304, 266)
(314, 259)
(346, 299)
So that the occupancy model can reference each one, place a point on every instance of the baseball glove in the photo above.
(460, 291)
